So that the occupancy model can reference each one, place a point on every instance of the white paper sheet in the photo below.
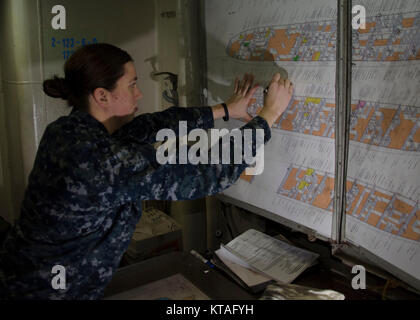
(274, 258)
(243, 270)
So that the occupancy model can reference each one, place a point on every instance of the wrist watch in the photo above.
(226, 117)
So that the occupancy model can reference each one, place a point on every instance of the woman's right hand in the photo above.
(277, 99)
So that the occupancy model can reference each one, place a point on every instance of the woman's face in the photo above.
(126, 94)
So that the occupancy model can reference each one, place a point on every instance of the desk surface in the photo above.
(209, 281)
(217, 286)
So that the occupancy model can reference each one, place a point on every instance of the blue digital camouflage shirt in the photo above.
(83, 199)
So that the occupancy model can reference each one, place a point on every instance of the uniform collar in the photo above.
(87, 118)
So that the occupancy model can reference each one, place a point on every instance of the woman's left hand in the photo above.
(238, 103)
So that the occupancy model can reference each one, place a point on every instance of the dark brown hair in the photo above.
(93, 66)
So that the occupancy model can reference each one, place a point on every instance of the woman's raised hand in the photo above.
(238, 103)
(277, 99)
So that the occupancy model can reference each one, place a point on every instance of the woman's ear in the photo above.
(101, 97)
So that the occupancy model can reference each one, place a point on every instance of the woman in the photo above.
(95, 166)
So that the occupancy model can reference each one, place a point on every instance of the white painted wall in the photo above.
(129, 24)
(20, 60)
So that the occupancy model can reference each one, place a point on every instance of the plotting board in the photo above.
(383, 183)
(260, 37)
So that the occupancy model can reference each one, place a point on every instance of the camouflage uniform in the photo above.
(84, 195)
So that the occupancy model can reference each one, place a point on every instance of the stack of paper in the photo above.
(257, 258)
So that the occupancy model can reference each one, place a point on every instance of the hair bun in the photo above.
(57, 88)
